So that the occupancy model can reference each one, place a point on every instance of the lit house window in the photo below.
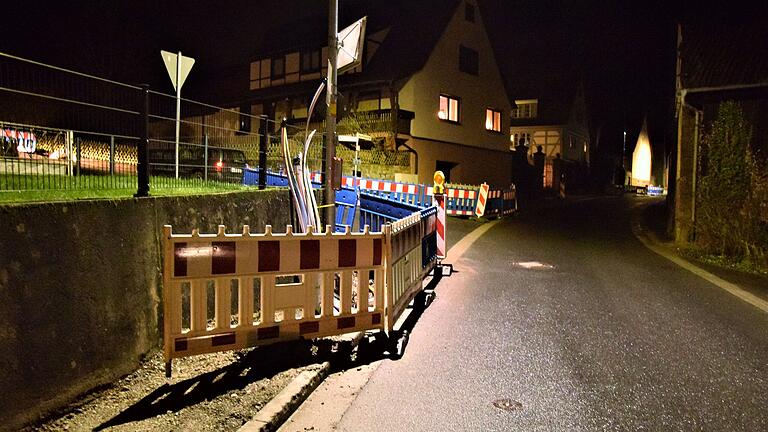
(449, 109)
(492, 120)
(526, 109)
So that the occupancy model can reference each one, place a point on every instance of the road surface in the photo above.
(563, 321)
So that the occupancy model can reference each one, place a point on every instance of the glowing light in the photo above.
(442, 115)
(641, 159)
(532, 265)
(195, 252)
(219, 165)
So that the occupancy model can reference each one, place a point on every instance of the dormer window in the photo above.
(526, 108)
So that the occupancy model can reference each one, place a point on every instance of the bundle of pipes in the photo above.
(299, 175)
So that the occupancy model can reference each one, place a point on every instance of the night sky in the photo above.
(622, 51)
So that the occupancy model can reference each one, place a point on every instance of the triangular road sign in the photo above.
(170, 59)
(351, 45)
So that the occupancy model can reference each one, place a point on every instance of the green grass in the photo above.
(696, 254)
(21, 189)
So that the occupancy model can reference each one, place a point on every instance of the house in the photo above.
(554, 118)
(718, 59)
(428, 83)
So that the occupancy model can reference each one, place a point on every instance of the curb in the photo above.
(279, 409)
(652, 242)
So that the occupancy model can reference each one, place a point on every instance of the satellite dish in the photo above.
(351, 46)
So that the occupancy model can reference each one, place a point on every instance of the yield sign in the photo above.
(170, 60)
(351, 46)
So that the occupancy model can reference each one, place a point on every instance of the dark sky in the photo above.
(622, 50)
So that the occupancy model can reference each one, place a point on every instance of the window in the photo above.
(469, 12)
(493, 120)
(310, 61)
(469, 60)
(526, 109)
(278, 67)
(244, 125)
(520, 139)
(449, 109)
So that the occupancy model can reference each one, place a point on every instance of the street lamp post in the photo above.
(330, 116)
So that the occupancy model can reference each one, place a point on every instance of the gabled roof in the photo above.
(556, 92)
(415, 26)
(718, 53)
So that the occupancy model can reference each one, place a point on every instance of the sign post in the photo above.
(438, 192)
(178, 68)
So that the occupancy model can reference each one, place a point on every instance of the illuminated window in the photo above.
(449, 109)
(526, 109)
(469, 60)
(492, 120)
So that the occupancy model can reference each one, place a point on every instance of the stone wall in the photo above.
(80, 288)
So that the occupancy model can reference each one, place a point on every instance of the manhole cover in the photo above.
(508, 405)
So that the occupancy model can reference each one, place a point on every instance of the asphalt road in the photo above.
(606, 335)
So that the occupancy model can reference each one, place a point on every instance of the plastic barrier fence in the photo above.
(411, 256)
(375, 211)
(243, 290)
(460, 200)
(501, 202)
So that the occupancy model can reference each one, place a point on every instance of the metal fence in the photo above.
(65, 130)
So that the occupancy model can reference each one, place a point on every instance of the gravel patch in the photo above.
(212, 392)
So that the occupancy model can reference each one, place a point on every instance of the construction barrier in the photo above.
(244, 290)
(411, 255)
(501, 202)
(282, 287)
(460, 200)
(481, 200)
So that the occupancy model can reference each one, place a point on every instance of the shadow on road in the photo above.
(268, 361)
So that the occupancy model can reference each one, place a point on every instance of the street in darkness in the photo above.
(564, 321)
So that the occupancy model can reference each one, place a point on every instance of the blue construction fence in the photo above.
(383, 201)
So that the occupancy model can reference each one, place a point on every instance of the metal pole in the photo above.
(112, 155)
(330, 118)
(178, 108)
(263, 148)
(206, 158)
(70, 138)
(142, 151)
(78, 154)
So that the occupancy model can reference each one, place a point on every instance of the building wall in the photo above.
(549, 137)
(441, 75)
(473, 165)
(80, 288)
(686, 175)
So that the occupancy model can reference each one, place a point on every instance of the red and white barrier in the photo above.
(440, 228)
(481, 200)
